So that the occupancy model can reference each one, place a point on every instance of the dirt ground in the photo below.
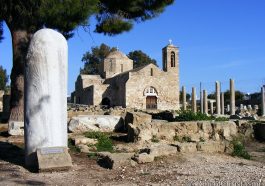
(182, 169)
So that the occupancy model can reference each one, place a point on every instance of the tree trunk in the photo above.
(20, 42)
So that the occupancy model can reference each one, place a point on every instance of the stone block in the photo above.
(16, 128)
(163, 150)
(136, 118)
(114, 160)
(187, 147)
(143, 158)
(104, 123)
(53, 159)
(211, 146)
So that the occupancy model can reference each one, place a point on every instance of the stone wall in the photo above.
(166, 85)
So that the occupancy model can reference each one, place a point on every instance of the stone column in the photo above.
(184, 98)
(222, 103)
(262, 101)
(193, 101)
(211, 107)
(45, 93)
(217, 97)
(205, 102)
(201, 101)
(232, 97)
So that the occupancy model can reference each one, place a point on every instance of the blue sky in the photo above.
(218, 40)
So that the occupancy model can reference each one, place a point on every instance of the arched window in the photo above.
(173, 59)
(150, 91)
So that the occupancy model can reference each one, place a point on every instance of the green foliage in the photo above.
(116, 17)
(191, 116)
(239, 150)
(238, 95)
(140, 58)
(154, 139)
(104, 142)
(72, 147)
(3, 78)
(202, 139)
(92, 155)
(93, 59)
(186, 139)
(176, 138)
(221, 119)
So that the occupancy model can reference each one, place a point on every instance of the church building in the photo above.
(118, 84)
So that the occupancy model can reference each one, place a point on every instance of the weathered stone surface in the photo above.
(45, 93)
(211, 146)
(85, 141)
(104, 123)
(136, 118)
(186, 147)
(225, 130)
(114, 160)
(53, 159)
(16, 128)
(143, 158)
(163, 150)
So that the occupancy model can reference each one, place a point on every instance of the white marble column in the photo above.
(205, 102)
(184, 98)
(193, 101)
(262, 101)
(232, 97)
(222, 103)
(45, 93)
(217, 97)
(201, 101)
(211, 107)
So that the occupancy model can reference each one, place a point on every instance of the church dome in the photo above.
(117, 54)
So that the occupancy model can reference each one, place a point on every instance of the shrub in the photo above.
(221, 119)
(104, 144)
(202, 139)
(176, 138)
(191, 116)
(239, 150)
(186, 139)
(94, 134)
(155, 139)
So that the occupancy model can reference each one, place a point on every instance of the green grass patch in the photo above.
(182, 139)
(104, 144)
(95, 134)
(239, 148)
(92, 155)
(221, 119)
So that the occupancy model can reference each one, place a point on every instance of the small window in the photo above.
(152, 73)
(121, 67)
(173, 59)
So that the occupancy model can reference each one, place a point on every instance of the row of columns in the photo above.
(219, 100)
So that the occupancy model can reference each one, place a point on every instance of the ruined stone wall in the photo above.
(166, 85)
(117, 89)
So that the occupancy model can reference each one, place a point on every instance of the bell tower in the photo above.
(170, 59)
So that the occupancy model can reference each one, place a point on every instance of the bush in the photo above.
(221, 119)
(182, 139)
(155, 139)
(94, 134)
(239, 148)
(202, 139)
(191, 116)
(104, 144)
